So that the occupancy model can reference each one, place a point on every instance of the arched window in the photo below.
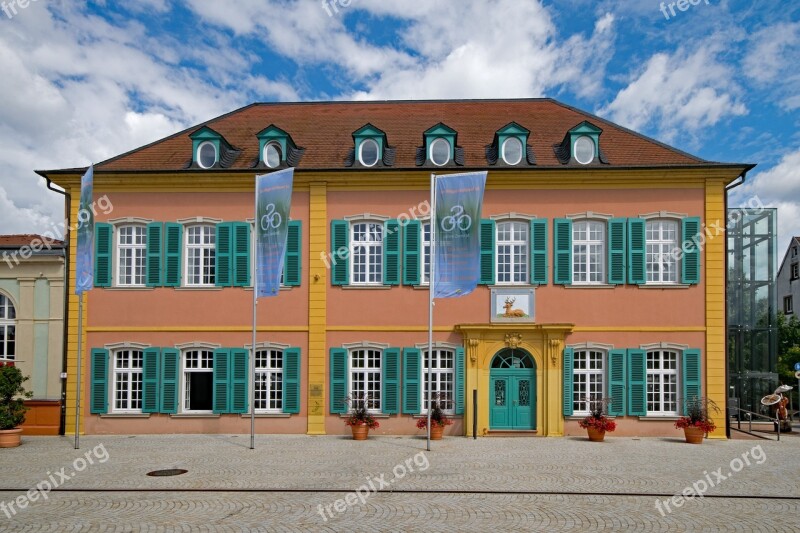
(8, 329)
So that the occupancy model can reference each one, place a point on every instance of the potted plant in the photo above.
(597, 423)
(12, 407)
(697, 421)
(439, 419)
(359, 419)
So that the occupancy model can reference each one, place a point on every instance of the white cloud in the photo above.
(771, 62)
(684, 91)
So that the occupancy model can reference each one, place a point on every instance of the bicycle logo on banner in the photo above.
(271, 220)
(458, 219)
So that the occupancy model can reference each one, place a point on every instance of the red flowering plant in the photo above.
(597, 416)
(439, 403)
(697, 414)
(359, 415)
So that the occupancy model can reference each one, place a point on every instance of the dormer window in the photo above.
(510, 147)
(370, 148)
(581, 146)
(440, 152)
(207, 155)
(276, 149)
(512, 151)
(583, 150)
(368, 153)
(211, 150)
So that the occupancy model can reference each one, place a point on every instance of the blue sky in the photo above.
(84, 81)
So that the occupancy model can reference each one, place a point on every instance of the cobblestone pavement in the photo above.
(301, 483)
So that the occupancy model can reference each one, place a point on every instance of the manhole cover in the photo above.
(169, 472)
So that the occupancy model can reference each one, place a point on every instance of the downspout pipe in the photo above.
(62, 423)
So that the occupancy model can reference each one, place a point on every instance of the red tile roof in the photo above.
(325, 130)
(25, 239)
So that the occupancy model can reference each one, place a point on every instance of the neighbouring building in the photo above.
(789, 278)
(602, 275)
(32, 323)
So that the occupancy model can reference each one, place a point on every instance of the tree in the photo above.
(788, 349)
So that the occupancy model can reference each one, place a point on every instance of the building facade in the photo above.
(32, 323)
(600, 274)
(789, 278)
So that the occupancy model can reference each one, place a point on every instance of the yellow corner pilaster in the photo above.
(317, 308)
(715, 356)
(72, 344)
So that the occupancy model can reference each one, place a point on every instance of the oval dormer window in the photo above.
(583, 150)
(207, 155)
(440, 152)
(272, 155)
(512, 151)
(368, 153)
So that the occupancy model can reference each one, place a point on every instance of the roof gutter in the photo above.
(62, 423)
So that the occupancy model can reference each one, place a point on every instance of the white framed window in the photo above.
(795, 271)
(662, 240)
(8, 329)
(788, 305)
(128, 380)
(198, 381)
(512, 151)
(662, 382)
(440, 152)
(512, 253)
(206, 154)
(272, 155)
(366, 253)
(588, 382)
(588, 252)
(200, 261)
(441, 378)
(425, 266)
(269, 381)
(368, 153)
(365, 376)
(583, 150)
(131, 255)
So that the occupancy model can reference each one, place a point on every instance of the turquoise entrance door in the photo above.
(512, 391)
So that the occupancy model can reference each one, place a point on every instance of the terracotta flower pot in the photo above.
(596, 435)
(436, 432)
(10, 438)
(360, 432)
(694, 435)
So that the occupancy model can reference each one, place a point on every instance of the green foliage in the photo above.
(788, 348)
(12, 395)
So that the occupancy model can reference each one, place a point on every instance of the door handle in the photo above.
(515, 402)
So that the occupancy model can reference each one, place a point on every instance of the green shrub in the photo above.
(12, 395)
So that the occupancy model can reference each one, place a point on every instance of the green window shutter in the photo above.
(170, 367)
(103, 244)
(617, 231)
(459, 381)
(487, 237)
(173, 237)
(569, 357)
(223, 254)
(340, 240)
(151, 364)
(292, 263)
(412, 369)
(291, 381)
(691, 376)
(617, 360)
(241, 254)
(539, 251)
(637, 382)
(338, 372)
(637, 248)
(690, 266)
(221, 390)
(391, 381)
(99, 385)
(154, 276)
(412, 254)
(562, 236)
(391, 252)
(238, 372)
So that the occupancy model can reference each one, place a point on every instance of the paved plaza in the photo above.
(302, 483)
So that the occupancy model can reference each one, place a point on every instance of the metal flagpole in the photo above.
(430, 303)
(78, 379)
(254, 257)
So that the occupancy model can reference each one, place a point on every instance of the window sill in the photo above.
(448, 415)
(665, 418)
(664, 286)
(199, 288)
(268, 415)
(250, 289)
(374, 415)
(124, 288)
(581, 417)
(195, 415)
(589, 286)
(367, 287)
(126, 415)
